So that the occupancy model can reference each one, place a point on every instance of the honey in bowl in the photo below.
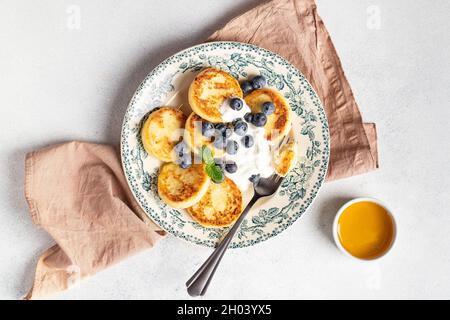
(366, 230)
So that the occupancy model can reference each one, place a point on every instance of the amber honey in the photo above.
(366, 230)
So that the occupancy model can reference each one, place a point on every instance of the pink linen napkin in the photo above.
(77, 191)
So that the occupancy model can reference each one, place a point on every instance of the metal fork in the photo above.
(199, 282)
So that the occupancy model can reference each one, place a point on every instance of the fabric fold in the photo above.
(77, 192)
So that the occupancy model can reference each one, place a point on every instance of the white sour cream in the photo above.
(229, 114)
(250, 161)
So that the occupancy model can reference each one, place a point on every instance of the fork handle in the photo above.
(199, 282)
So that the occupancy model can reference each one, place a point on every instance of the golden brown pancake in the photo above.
(286, 157)
(182, 188)
(220, 206)
(209, 90)
(279, 122)
(162, 131)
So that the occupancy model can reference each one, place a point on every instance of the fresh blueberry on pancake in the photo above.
(268, 108)
(248, 117)
(259, 119)
(240, 128)
(258, 82)
(236, 104)
(248, 141)
(246, 87)
(207, 129)
(219, 142)
(231, 167)
(221, 127)
(235, 121)
(185, 160)
(232, 147)
(181, 147)
(227, 133)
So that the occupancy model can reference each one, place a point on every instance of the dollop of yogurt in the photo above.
(229, 114)
(255, 160)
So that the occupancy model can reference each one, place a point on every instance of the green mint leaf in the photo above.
(207, 156)
(215, 173)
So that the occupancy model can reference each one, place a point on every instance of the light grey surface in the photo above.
(60, 84)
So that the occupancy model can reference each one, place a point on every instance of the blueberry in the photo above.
(232, 147)
(207, 129)
(185, 161)
(227, 132)
(268, 108)
(258, 82)
(241, 128)
(181, 148)
(236, 104)
(248, 117)
(254, 178)
(220, 163)
(259, 119)
(231, 167)
(185, 165)
(219, 142)
(221, 127)
(246, 87)
(236, 121)
(248, 141)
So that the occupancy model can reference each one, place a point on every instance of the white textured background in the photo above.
(59, 84)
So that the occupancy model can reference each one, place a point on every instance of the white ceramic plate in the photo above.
(167, 85)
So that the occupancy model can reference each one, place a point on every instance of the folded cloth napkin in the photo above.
(77, 191)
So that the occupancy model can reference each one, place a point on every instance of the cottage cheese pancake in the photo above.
(182, 188)
(220, 206)
(161, 131)
(285, 157)
(208, 91)
(279, 122)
